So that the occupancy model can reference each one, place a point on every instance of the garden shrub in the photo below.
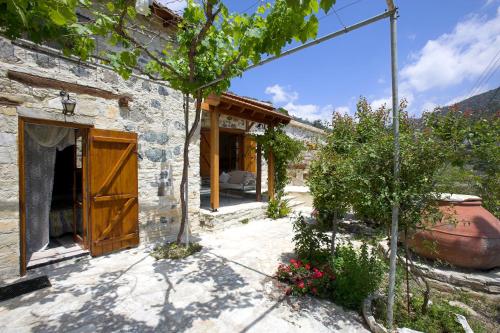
(305, 278)
(358, 273)
(439, 318)
(310, 243)
(277, 209)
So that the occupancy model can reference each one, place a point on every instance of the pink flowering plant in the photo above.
(304, 278)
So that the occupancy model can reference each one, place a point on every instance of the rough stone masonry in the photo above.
(155, 114)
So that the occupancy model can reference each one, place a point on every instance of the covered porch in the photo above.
(228, 147)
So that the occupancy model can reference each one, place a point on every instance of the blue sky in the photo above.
(445, 48)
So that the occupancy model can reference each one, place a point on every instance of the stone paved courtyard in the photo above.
(227, 287)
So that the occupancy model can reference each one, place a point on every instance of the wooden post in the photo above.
(258, 187)
(214, 160)
(270, 176)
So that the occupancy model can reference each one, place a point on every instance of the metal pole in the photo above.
(311, 43)
(395, 207)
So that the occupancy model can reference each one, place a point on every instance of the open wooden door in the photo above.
(205, 153)
(114, 208)
(250, 150)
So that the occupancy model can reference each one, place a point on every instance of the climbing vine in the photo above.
(286, 150)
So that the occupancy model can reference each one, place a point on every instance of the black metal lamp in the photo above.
(68, 103)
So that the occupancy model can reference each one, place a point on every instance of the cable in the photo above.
(246, 10)
(486, 73)
(340, 9)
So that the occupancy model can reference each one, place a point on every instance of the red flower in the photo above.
(307, 266)
(317, 274)
(296, 265)
(299, 262)
(314, 291)
(300, 284)
(293, 261)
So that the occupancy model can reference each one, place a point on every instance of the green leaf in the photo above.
(20, 13)
(326, 5)
(131, 12)
(57, 17)
(110, 6)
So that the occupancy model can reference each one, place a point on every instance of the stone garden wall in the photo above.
(155, 114)
(311, 136)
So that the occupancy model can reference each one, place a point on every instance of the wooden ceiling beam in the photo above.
(48, 82)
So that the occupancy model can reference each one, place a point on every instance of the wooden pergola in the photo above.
(254, 112)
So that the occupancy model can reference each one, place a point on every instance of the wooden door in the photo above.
(114, 208)
(205, 153)
(80, 194)
(250, 151)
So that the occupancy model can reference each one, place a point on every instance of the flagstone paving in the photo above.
(227, 287)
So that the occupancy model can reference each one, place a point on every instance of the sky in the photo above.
(448, 50)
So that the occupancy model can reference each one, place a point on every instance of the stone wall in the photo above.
(155, 114)
(311, 137)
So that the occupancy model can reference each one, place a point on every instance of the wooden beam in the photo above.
(249, 125)
(214, 160)
(47, 82)
(257, 117)
(258, 185)
(270, 176)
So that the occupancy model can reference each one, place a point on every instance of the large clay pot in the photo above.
(471, 238)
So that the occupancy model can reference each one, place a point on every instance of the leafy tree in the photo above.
(285, 151)
(39, 21)
(355, 169)
(330, 175)
(210, 43)
(473, 167)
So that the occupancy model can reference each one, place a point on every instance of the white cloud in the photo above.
(452, 58)
(381, 80)
(310, 111)
(377, 103)
(343, 110)
(429, 106)
(286, 98)
(175, 5)
(281, 95)
(448, 61)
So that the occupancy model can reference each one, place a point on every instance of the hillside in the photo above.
(485, 105)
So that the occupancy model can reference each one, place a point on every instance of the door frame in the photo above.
(22, 185)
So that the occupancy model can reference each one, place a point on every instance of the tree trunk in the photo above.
(334, 233)
(185, 166)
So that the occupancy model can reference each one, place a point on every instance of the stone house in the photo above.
(106, 177)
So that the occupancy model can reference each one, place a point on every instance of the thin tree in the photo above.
(210, 43)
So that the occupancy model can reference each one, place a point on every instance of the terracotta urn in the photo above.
(467, 236)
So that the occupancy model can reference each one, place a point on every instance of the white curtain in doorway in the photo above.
(40, 144)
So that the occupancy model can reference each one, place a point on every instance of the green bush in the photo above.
(439, 318)
(277, 209)
(358, 273)
(310, 243)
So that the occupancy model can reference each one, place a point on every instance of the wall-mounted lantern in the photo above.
(68, 103)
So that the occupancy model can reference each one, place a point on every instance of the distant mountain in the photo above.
(485, 105)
